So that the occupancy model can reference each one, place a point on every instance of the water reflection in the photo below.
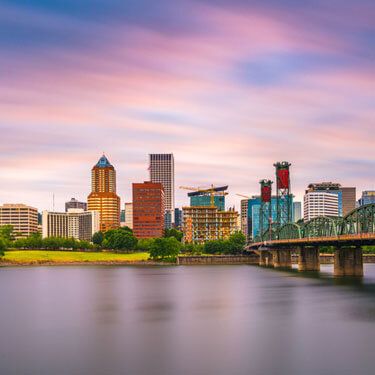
(185, 320)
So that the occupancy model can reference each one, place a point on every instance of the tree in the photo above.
(98, 238)
(126, 229)
(215, 247)
(368, 249)
(2, 247)
(165, 248)
(6, 232)
(144, 244)
(119, 239)
(173, 233)
(236, 243)
(34, 241)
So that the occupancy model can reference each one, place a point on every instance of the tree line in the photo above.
(123, 240)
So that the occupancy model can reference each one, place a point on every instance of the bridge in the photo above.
(346, 234)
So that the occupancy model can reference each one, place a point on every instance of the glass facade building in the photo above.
(205, 200)
(253, 214)
(368, 197)
(177, 218)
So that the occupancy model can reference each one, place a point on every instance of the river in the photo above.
(185, 320)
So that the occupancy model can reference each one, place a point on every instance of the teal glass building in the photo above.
(205, 200)
(253, 214)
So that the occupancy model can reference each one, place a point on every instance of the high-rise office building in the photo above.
(161, 169)
(346, 195)
(178, 218)
(148, 209)
(368, 197)
(74, 203)
(320, 203)
(244, 221)
(297, 211)
(75, 223)
(129, 215)
(103, 197)
(23, 219)
(348, 199)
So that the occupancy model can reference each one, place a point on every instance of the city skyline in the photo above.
(56, 203)
(227, 87)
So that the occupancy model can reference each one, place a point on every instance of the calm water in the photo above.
(184, 320)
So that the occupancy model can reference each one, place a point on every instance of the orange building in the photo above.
(148, 210)
(103, 197)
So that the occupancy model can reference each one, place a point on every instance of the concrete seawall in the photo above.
(251, 259)
(218, 259)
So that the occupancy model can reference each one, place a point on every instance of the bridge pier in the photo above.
(282, 258)
(265, 258)
(348, 261)
(308, 259)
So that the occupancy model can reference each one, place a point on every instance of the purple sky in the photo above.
(229, 87)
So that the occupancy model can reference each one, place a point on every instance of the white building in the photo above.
(320, 204)
(129, 215)
(75, 223)
(162, 170)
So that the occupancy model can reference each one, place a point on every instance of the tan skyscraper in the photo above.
(23, 219)
(103, 197)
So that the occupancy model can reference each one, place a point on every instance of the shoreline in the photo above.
(88, 263)
(181, 261)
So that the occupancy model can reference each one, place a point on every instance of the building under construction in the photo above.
(209, 221)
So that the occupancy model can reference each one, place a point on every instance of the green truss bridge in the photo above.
(346, 234)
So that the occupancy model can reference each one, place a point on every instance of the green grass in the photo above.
(53, 256)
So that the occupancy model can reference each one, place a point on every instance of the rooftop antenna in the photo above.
(53, 202)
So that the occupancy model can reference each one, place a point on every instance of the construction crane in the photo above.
(212, 191)
(243, 196)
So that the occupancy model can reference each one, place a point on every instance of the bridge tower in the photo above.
(283, 194)
(265, 212)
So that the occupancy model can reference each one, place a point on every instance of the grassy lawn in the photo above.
(43, 256)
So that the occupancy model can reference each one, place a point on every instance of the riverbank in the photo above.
(55, 257)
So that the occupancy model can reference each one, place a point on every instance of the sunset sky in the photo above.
(229, 87)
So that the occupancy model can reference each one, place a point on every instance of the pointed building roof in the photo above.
(103, 162)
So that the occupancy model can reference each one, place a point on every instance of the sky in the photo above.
(229, 87)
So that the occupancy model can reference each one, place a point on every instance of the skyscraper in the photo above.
(162, 171)
(148, 210)
(244, 221)
(348, 199)
(103, 197)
